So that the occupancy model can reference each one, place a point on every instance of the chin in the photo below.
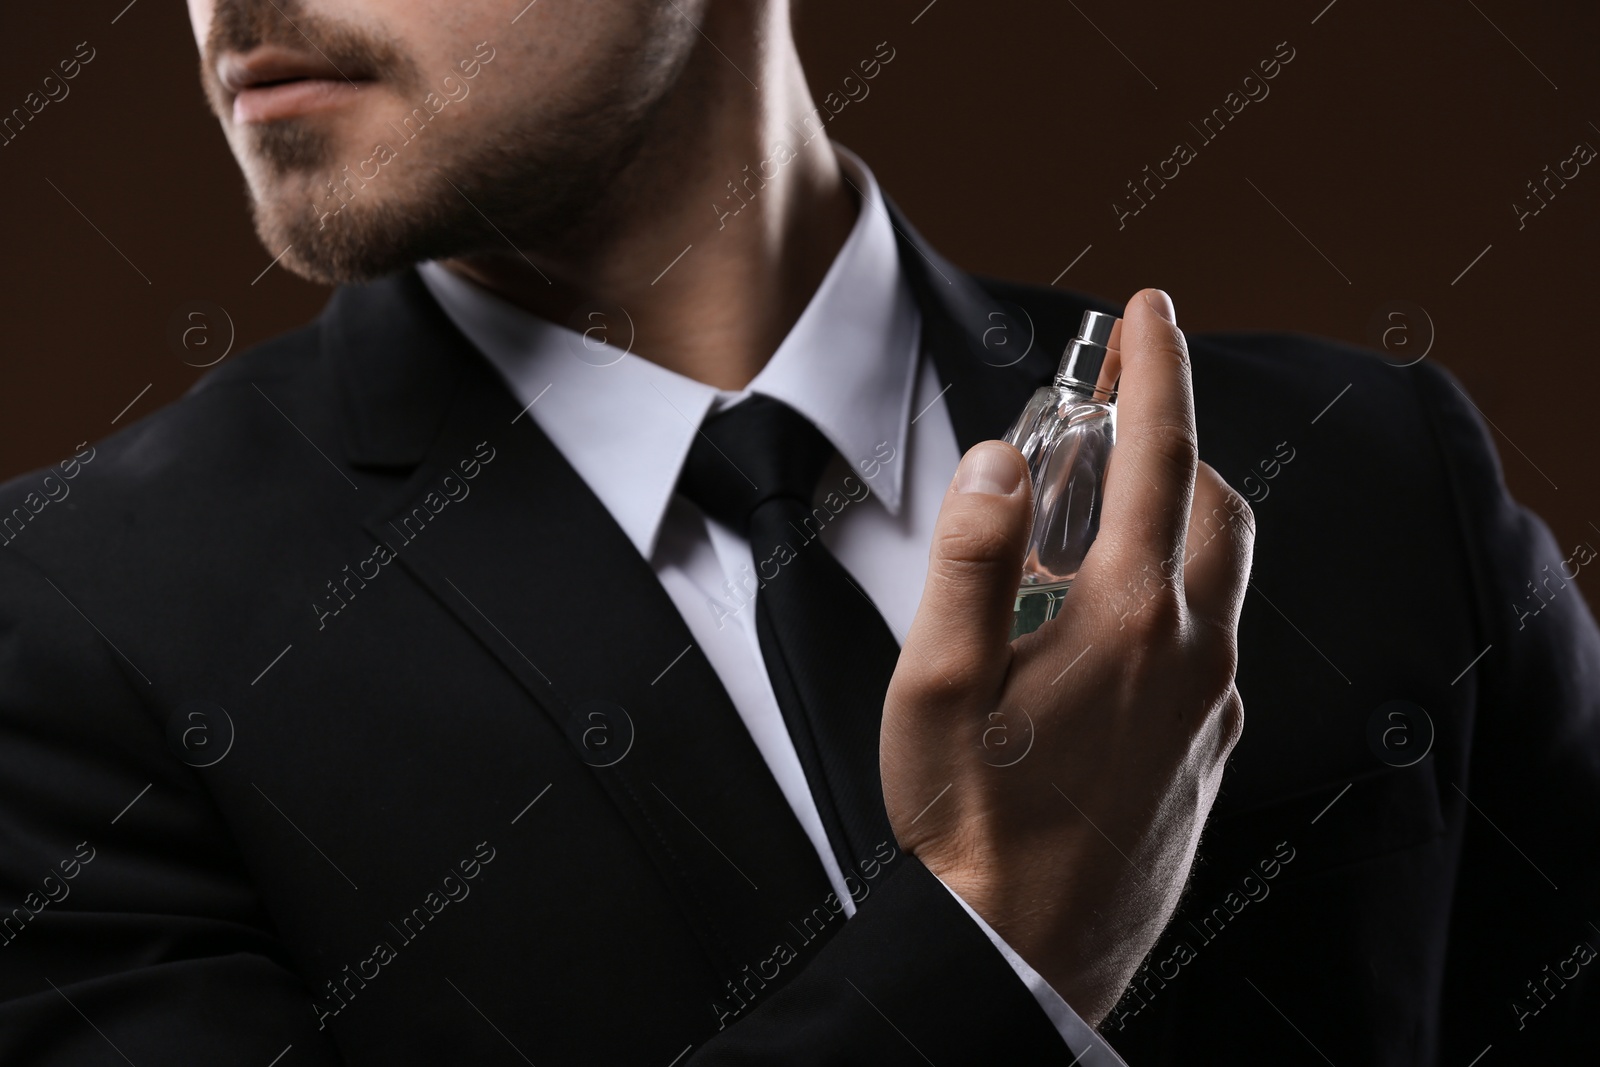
(349, 251)
(330, 241)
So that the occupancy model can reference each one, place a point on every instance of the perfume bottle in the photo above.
(1066, 433)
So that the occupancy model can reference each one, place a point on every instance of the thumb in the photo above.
(962, 628)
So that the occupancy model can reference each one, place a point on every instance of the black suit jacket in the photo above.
(339, 721)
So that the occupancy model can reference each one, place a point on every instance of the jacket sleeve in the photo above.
(910, 980)
(1522, 973)
(129, 930)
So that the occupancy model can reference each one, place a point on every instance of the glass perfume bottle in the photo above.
(1066, 433)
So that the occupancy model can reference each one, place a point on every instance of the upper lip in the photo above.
(270, 64)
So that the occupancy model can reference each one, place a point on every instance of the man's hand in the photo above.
(1077, 852)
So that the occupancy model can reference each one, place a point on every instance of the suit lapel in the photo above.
(530, 562)
(988, 352)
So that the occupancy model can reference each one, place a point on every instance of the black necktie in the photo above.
(828, 652)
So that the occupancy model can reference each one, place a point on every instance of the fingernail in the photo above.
(1161, 304)
(988, 468)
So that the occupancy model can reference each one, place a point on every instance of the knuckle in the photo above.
(1213, 657)
(960, 677)
(973, 552)
(975, 539)
(1172, 442)
(1158, 620)
(949, 672)
(1231, 721)
(1180, 345)
(1221, 667)
(1243, 515)
(1234, 508)
(1175, 346)
(1236, 512)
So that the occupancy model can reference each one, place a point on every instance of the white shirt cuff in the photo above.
(1078, 1035)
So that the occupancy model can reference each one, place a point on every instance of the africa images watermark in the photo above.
(741, 593)
(1154, 975)
(855, 90)
(55, 490)
(54, 90)
(1582, 556)
(1139, 592)
(434, 501)
(1258, 490)
(54, 889)
(743, 991)
(1552, 182)
(409, 128)
(1551, 982)
(1254, 89)
(453, 888)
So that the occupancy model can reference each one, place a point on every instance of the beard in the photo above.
(519, 191)
(453, 182)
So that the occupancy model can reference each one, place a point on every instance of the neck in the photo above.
(716, 239)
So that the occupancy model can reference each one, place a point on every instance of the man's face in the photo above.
(377, 133)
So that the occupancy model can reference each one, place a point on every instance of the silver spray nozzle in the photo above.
(1086, 353)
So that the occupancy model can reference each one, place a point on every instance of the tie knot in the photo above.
(757, 451)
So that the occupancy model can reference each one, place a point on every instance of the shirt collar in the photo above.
(626, 424)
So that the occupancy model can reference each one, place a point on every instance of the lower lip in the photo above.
(273, 103)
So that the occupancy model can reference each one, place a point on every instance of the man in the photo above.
(590, 645)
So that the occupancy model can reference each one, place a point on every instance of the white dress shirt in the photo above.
(851, 365)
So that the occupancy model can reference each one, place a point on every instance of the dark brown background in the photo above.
(1396, 141)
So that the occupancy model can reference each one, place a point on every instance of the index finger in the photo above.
(1150, 479)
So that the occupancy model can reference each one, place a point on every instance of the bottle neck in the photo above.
(1085, 390)
(1083, 369)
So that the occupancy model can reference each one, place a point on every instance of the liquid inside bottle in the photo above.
(1036, 605)
(1066, 434)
